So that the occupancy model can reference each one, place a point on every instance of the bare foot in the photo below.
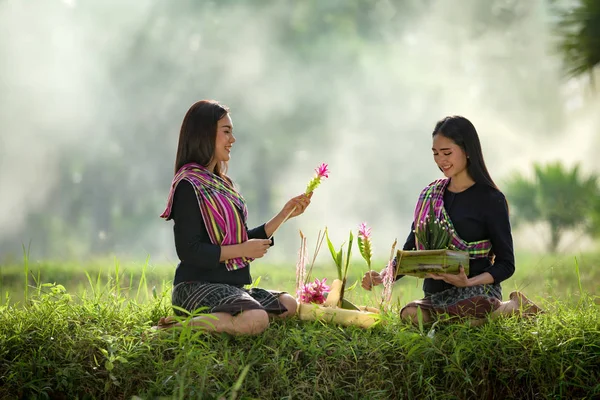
(527, 307)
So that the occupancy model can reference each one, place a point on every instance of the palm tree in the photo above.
(561, 198)
(579, 31)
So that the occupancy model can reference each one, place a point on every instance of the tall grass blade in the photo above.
(117, 278)
(238, 384)
(26, 268)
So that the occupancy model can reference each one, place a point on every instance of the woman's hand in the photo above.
(292, 208)
(371, 278)
(255, 248)
(459, 280)
(298, 204)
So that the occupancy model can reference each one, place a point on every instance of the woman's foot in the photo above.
(165, 322)
(526, 306)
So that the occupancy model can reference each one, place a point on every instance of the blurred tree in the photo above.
(579, 31)
(110, 193)
(561, 198)
(594, 223)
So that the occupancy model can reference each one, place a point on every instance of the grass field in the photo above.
(542, 277)
(87, 336)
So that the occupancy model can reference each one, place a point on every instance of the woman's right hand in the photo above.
(255, 248)
(371, 278)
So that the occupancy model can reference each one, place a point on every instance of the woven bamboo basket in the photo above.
(419, 263)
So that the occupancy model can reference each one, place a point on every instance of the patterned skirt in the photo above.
(473, 301)
(220, 297)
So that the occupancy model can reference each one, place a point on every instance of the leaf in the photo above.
(338, 263)
(238, 383)
(346, 305)
(353, 286)
(348, 254)
(361, 248)
(109, 365)
(330, 245)
(364, 247)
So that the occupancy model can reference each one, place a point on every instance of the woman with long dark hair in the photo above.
(470, 203)
(212, 240)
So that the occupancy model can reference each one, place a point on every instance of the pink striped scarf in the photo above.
(434, 194)
(223, 208)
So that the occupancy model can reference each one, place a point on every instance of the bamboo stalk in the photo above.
(364, 319)
(317, 249)
(283, 222)
(335, 294)
(301, 265)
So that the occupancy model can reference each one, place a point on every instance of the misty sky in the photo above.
(109, 82)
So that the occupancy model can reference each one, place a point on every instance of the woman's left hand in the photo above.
(298, 204)
(459, 280)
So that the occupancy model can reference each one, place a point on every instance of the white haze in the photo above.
(58, 99)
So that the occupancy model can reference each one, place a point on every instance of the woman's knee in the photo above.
(412, 313)
(252, 322)
(290, 303)
(408, 312)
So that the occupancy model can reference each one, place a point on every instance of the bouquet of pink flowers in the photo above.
(313, 292)
(306, 292)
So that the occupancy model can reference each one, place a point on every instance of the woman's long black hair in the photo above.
(198, 133)
(462, 132)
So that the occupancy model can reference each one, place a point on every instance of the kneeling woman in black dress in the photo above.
(470, 204)
(213, 242)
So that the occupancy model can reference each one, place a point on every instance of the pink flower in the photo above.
(322, 171)
(388, 281)
(364, 231)
(313, 292)
(364, 242)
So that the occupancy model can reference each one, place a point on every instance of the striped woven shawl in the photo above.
(223, 209)
(434, 193)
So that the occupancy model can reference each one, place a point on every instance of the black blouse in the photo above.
(199, 258)
(478, 213)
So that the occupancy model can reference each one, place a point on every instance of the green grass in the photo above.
(539, 276)
(91, 339)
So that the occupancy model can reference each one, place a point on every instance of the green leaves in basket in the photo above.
(434, 234)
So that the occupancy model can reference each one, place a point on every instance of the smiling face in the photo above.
(224, 140)
(449, 157)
